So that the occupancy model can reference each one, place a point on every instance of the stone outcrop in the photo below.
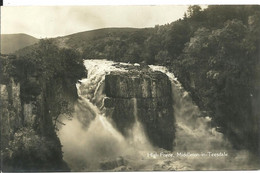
(27, 125)
(147, 94)
(28, 138)
(112, 164)
(10, 109)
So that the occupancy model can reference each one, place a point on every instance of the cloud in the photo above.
(53, 21)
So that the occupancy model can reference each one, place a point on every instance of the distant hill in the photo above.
(13, 42)
(82, 40)
(118, 44)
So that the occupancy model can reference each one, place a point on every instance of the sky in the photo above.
(54, 21)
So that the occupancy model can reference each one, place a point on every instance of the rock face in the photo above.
(28, 138)
(10, 109)
(27, 125)
(146, 95)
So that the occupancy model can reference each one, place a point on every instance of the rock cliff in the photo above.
(11, 111)
(145, 95)
(28, 137)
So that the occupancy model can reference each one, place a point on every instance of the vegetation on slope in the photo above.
(118, 44)
(220, 67)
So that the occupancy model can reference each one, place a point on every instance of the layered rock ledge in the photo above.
(147, 94)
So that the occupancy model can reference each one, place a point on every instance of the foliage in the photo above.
(29, 151)
(127, 47)
(48, 72)
(193, 10)
(43, 64)
(219, 66)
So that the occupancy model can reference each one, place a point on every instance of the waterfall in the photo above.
(137, 132)
(90, 139)
(194, 132)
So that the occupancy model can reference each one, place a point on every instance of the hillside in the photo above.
(13, 42)
(119, 44)
(82, 39)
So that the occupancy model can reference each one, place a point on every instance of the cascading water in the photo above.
(137, 132)
(91, 143)
(193, 131)
(90, 138)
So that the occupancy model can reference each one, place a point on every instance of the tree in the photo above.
(223, 70)
(193, 10)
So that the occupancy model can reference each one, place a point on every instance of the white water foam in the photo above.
(193, 131)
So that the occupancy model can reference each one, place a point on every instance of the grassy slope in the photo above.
(13, 42)
(82, 39)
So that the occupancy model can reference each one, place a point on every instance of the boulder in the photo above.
(112, 164)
